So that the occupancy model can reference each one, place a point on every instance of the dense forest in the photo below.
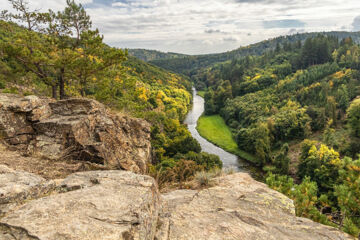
(150, 55)
(59, 55)
(189, 65)
(297, 109)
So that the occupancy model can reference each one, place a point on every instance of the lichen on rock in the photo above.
(89, 205)
(238, 207)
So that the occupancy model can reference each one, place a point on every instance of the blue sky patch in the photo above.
(286, 23)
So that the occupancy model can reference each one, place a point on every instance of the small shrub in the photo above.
(2, 84)
(350, 227)
(216, 172)
(203, 178)
(12, 90)
(27, 93)
(229, 171)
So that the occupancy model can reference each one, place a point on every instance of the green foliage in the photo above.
(348, 196)
(281, 183)
(305, 196)
(283, 96)
(282, 161)
(291, 122)
(353, 113)
(342, 97)
(305, 200)
(189, 64)
(205, 160)
(2, 84)
(295, 89)
(317, 116)
(317, 50)
(12, 90)
(150, 55)
(68, 57)
(215, 130)
(322, 164)
(215, 100)
(345, 208)
(201, 93)
(256, 140)
(350, 227)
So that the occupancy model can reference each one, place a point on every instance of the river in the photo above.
(229, 160)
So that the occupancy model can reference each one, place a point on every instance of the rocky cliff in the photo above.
(74, 129)
(46, 194)
(117, 205)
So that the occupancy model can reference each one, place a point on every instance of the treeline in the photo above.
(298, 91)
(150, 55)
(60, 55)
(189, 65)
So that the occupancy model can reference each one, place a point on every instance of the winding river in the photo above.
(229, 160)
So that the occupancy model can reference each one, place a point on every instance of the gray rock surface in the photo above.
(18, 186)
(76, 129)
(89, 206)
(114, 205)
(237, 208)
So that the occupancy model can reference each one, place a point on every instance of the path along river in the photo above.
(229, 160)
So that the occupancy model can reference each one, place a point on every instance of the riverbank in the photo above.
(214, 129)
(201, 94)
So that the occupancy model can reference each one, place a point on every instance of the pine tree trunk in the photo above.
(54, 91)
(62, 84)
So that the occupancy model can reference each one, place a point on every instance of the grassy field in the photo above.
(214, 129)
(201, 93)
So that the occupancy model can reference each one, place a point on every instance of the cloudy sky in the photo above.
(209, 26)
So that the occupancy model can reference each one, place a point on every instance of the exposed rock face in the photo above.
(237, 208)
(80, 129)
(115, 205)
(94, 205)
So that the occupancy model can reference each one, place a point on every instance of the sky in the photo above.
(208, 26)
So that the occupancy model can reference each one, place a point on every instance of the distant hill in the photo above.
(150, 55)
(187, 64)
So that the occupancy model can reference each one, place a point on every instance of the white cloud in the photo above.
(205, 26)
(356, 24)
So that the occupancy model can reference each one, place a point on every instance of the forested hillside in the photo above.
(297, 109)
(189, 64)
(59, 55)
(150, 55)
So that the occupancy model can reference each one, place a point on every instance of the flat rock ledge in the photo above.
(91, 206)
(19, 186)
(113, 205)
(237, 208)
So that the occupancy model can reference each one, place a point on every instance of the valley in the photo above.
(99, 141)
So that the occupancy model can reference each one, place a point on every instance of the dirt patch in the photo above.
(48, 169)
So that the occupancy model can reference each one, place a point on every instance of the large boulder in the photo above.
(237, 208)
(94, 205)
(79, 129)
